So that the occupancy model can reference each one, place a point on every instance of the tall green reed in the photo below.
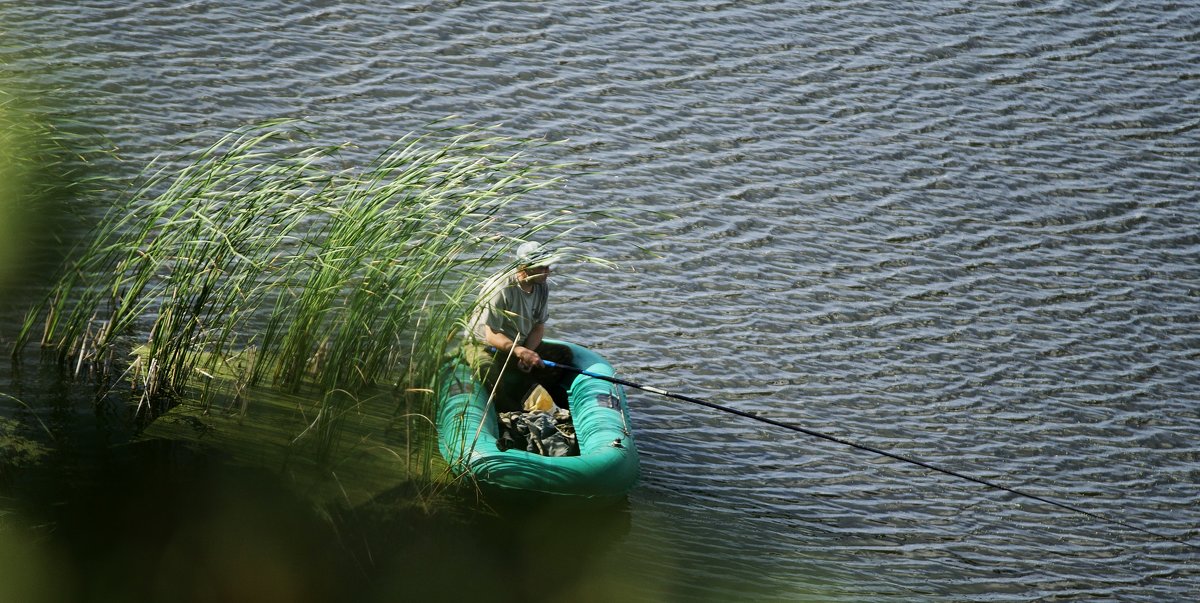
(341, 281)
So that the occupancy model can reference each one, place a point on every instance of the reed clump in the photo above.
(266, 261)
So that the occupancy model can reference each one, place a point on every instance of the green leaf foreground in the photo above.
(266, 269)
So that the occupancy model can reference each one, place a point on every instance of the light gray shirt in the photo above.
(509, 309)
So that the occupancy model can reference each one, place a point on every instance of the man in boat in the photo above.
(504, 340)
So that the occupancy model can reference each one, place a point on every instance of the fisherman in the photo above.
(504, 339)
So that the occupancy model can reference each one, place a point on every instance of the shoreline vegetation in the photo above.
(290, 309)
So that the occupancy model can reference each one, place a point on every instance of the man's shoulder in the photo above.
(498, 283)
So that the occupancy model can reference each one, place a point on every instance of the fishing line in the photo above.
(873, 450)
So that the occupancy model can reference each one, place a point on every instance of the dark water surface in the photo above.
(963, 232)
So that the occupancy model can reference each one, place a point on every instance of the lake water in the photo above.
(962, 232)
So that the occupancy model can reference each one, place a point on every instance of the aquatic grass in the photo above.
(179, 259)
(340, 282)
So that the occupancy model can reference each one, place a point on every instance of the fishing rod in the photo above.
(871, 449)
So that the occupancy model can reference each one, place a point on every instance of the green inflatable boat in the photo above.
(607, 464)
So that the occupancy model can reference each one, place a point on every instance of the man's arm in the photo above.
(524, 353)
(534, 339)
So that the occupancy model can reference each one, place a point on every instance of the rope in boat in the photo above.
(892, 455)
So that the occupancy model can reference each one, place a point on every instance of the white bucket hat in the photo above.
(533, 254)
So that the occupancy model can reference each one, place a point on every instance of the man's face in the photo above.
(534, 274)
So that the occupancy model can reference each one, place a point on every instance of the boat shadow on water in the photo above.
(496, 548)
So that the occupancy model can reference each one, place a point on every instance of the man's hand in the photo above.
(527, 359)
